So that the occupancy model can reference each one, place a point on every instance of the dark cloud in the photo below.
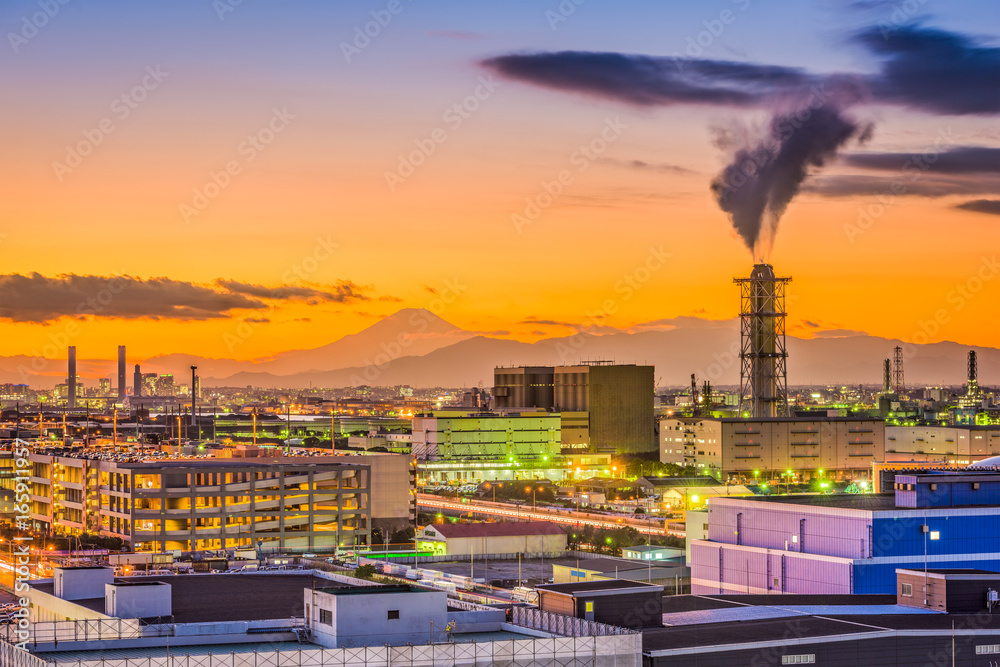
(548, 323)
(955, 160)
(653, 80)
(811, 324)
(343, 291)
(430, 290)
(257, 320)
(924, 68)
(37, 298)
(934, 70)
(642, 165)
(911, 183)
(990, 206)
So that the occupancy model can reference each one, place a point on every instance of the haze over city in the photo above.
(265, 178)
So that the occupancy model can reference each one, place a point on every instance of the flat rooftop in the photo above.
(593, 586)
(203, 598)
(700, 621)
(870, 502)
(619, 565)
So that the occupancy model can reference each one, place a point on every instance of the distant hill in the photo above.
(418, 348)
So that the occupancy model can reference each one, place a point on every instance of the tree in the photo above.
(365, 572)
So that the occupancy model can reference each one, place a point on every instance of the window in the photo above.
(326, 617)
(589, 607)
(393, 615)
(935, 535)
(777, 582)
(906, 590)
(802, 659)
(984, 649)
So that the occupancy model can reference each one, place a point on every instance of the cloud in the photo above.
(909, 183)
(642, 165)
(548, 323)
(933, 70)
(683, 322)
(989, 206)
(343, 291)
(40, 299)
(257, 320)
(810, 323)
(955, 160)
(839, 333)
(653, 80)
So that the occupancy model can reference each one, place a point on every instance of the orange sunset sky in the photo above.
(319, 175)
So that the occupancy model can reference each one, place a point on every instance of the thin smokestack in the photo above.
(71, 379)
(194, 402)
(760, 181)
(121, 372)
(137, 382)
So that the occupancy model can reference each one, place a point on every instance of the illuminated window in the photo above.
(935, 535)
(589, 607)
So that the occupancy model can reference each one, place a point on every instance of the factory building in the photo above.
(960, 445)
(766, 448)
(516, 537)
(848, 543)
(449, 434)
(605, 407)
(199, 504)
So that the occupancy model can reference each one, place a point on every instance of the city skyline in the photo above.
(266, 161)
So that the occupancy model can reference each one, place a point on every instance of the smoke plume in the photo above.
(764, 176)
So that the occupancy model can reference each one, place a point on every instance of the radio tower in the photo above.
(763, 377)
(898, 385)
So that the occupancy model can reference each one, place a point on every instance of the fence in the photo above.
(610, 651)
(567, 626)
(83, 630)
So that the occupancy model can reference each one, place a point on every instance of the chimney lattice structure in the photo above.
(763, 374)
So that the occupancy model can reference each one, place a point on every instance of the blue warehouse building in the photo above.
(849, 544)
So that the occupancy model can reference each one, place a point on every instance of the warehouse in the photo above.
(463, 539)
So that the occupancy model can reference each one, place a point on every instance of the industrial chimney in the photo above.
(194, 402)
(121, 372)
(71, 380)
(137, 381)
(972, 388)
(887, 377)
(898, 382)
(763, 377)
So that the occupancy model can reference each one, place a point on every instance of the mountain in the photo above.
(418, 348)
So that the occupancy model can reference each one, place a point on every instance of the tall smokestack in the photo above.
(194, 402)
(972, 389)
(763, 378)
(887, 377)
(137, 381)
(121, 372)
(71, 380)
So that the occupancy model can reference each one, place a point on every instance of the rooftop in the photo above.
(609, 585)
(202, 598)
(681, 481)
(620, 565)
(505, 529)
(696, 621)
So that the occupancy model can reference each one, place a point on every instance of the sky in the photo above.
(235, 179)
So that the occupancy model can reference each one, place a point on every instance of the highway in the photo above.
(525, 512)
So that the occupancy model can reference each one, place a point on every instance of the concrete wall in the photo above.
(360, 619)
(138, 600)
(83, 583)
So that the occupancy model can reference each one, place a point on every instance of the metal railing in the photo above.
(567, 626)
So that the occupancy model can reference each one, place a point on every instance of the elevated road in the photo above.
(653, 525)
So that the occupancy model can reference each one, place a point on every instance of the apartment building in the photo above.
(197, 504)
